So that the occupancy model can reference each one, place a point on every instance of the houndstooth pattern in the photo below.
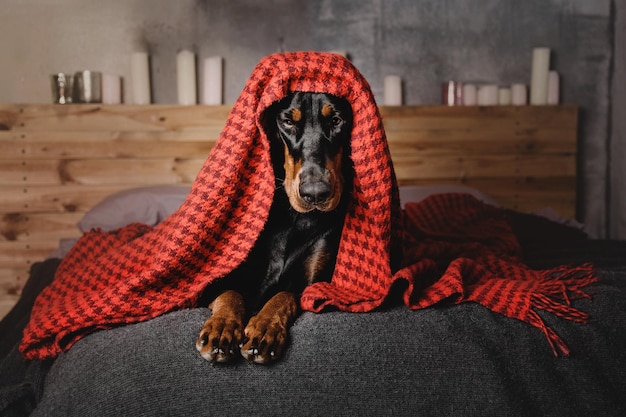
(463, 253)
(137, 273)
(467, 252)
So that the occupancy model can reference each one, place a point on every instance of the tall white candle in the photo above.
(186, 77)
(111, 89)
(140, 78)
(519, 94)
(469, 95)
(212, 81)
(539, 76)
(342, 53)
(553, 88)
(392, 91)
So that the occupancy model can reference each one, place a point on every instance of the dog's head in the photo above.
(313, 132)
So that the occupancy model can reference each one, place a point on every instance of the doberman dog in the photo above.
(309, 135)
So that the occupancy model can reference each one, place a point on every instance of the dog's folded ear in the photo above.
(269, 126)
(344, 107)
(268, 117)
(268, 120)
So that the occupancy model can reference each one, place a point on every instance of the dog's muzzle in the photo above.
(314, 186)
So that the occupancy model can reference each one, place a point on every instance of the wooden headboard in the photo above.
(57, 161)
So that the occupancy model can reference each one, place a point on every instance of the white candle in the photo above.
(469, 95)
(212, 81)
(504, 96)
(392, 91)
(488, 95)
(140, 78)
(452, 93)
(447, 93)
(553, 88)
(111, 89)
(186, 77)
(539, 76)
(519, 94)
(342, 53)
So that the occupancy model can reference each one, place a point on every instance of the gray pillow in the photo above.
(149, 205)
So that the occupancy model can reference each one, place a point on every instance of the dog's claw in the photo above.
(218, 340)
(264, 342)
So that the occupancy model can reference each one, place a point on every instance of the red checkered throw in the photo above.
(455, 248)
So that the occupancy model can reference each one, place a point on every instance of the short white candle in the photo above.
(342, 53)
(504, 96)
(488, 95)
(519, 94)
(186, 77)
(111, 89)
(392, 91)
(469, 95)
(553, 88)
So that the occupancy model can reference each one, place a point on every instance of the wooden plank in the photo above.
(22, 233)
(528, 185)
(199, 134)
(21, 255)
(408, 164)
(427, 142)
(131, 171)
(66, 198)
(76, 198)
(523, 194)
(478, 117)
(561, 208)
(23, 172)
(465, 141)
(12, 282)
(101, 117)
(103, 149)
(100, 171)
(518, 187)
(412, 166)
(39, 227)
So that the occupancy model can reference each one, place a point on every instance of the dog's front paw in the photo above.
(265, 339)
(220, 339)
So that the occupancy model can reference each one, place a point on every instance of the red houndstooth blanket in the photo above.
(455, 248)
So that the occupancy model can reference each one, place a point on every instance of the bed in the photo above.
(445, 360)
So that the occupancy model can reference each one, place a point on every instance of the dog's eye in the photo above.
(287, 123)
(336, 121)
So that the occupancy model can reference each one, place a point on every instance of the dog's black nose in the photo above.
(314, 191)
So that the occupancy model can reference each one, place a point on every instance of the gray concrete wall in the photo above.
(617, 150)
(424, 41)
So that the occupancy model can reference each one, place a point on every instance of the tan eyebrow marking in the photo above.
(296, 115)
(327, 110)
